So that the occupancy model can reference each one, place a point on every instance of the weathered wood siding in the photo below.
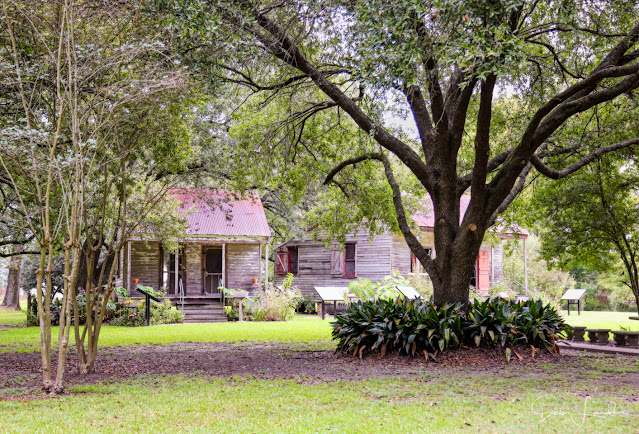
(119, 278)
(373, 261)
(242, 265)
(400, 255)
(145, 265)
(193, 254)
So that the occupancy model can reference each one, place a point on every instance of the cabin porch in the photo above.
(193, 274)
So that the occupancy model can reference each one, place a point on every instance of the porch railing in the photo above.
(181, 293)
(212, 282)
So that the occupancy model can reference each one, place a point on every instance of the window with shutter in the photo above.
(293, 253)
(349, 260)
(337, 262)
(281, 262)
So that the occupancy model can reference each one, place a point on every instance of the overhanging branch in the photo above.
(354, 160)
(558, 174)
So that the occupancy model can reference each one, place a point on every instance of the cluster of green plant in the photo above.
(56, 308)
(272, 304)
(607, 290)
(385, 289)
(420, 327)
(422, 284)
(307, 304)
(545, 281)
(131, 313)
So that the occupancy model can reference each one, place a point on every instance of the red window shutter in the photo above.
(281, 262)
(483, 268)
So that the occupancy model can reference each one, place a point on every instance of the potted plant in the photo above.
(255, 280)
(135, 280)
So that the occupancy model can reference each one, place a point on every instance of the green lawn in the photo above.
(437, 400)
(508, 399)
(303, 329)
(12, 318)
(602, 320)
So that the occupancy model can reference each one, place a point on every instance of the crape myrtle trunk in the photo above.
(12, 297)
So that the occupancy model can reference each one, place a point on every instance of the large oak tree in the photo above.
(486, 84)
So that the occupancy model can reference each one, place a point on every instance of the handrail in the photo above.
(147, 303)
(181, 293)
(525, 289)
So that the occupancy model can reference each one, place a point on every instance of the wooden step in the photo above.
(205, 318)
(188, 313)
(202, 310)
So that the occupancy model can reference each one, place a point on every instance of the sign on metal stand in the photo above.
(147, 303)
(574, 296)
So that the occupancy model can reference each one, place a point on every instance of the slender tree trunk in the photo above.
(44, 320)
(12, 297)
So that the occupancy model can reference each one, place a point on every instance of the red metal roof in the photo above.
(426, 218)
(222, 212)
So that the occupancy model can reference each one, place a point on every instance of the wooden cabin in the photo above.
(313, 264)
(222, 248)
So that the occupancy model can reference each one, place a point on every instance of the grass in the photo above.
(511, 399)
(309, 329)
(12, 318)
(602, 319)
(303, 329)
(436, 401)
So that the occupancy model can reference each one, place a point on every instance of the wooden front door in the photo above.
(213, 278)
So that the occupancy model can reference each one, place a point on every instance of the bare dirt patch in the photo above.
(20, 373)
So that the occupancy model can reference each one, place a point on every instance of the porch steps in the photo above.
(202, 309)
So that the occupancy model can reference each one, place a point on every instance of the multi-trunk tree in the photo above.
(98, 129)
(485, 86)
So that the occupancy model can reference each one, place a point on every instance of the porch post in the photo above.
(224, 265)
(266, 268)
(525, 268)
(492, 265)
(259, 261)
(175, 268)
(128, 267)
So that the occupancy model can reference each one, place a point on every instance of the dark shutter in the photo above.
(281, 262)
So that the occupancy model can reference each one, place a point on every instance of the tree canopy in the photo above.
(438, 98)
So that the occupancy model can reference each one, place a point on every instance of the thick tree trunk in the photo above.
(12, 297)
(454, 264)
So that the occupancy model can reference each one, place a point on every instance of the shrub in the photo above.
(365, 289)
(130, 313)
(418, 326)
(422, 284)
(56, 308)
(277, 304)
(307, 304)
(274, 304)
